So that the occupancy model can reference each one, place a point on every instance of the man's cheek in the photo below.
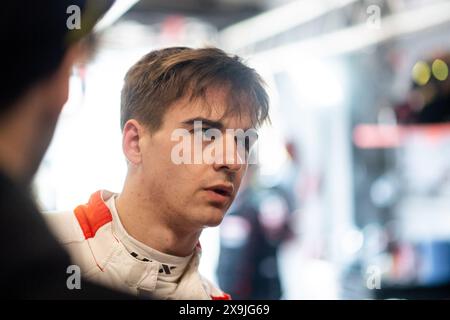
(238, 181)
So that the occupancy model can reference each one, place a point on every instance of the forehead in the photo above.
(213, 106)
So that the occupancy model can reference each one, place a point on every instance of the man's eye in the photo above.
(206, 133)
(209, 134)
(248, 143)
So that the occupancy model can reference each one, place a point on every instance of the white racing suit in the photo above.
(96, 240)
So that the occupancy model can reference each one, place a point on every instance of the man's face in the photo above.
(192, 195)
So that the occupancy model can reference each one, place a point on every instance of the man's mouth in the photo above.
(220, 192)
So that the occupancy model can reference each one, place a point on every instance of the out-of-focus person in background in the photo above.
(38, 53)
(145, 240)
(251, 234)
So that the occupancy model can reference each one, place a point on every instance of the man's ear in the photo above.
(133, 133)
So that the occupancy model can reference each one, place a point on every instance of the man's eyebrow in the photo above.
(208, 122)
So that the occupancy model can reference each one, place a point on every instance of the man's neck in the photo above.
(143, 221)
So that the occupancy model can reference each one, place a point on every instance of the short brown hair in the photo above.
(164, 76)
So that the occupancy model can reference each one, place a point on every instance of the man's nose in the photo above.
(230, 157)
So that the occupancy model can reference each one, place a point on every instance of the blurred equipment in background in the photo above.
(429, 98)
(411, 191)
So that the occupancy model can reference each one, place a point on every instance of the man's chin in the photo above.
(213, 216)
(213, 224)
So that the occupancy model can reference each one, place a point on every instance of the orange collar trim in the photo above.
(225, 296)
(93, 215)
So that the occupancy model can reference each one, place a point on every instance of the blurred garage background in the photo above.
(351, 199)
